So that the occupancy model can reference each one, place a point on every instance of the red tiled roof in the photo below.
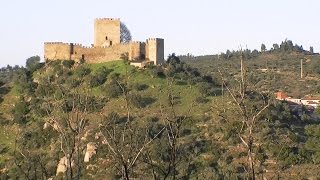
(311, 98)
(281, 95)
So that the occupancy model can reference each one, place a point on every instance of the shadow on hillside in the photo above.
(146, 101)
(3, 149)
(3, 121)
(4, 90)
(216, 92)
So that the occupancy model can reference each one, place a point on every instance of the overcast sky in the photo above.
(188, 26)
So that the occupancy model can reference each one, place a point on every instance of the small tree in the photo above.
(263, 48)
(276, 47)
(20, 111)
(311, 50)
(33, 63)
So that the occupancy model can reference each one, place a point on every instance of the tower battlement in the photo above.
(154, 39)
(107, 19)
(55, 43)
(137, 42)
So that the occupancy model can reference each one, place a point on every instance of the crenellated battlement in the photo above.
(136, 42)
(154, 39)
(62, 43)
(107, 19)
(77, 44)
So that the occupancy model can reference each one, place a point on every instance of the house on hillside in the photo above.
(281, 96)
(311, 102)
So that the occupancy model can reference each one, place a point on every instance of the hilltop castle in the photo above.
(112, 41)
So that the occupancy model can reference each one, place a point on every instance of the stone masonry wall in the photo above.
(137, 50)
(155, 50)
(57, 51)
(106, 29)
(99, 54)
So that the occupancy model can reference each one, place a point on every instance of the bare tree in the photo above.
(125, 140)
(173, 124)
(29, 163)
(68, 116)
(242, 94)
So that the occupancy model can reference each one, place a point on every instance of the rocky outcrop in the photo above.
(91, 150)
(50, 123)
(63, 164)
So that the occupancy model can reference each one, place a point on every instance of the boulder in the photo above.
(91, 150)
(63, 164)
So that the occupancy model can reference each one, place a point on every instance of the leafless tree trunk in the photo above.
(173, 126)
(70, 123)
(249, 116)
(123, 142)
(29, 163)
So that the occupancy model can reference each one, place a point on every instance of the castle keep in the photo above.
(112, 41)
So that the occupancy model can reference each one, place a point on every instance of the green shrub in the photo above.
(136, 100)
(316, 158)
(102, 73)
(205, 89)
(20, 111)
(68, 63)
(73, 82)
(201, 100)
(140, 87)
(112, 89)
(157, 72)
(313, 130)
(94, 81)
(3, 149)
(82, 71)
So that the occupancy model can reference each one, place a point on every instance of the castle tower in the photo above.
(155, 50)
(106, 32)
(137, 51)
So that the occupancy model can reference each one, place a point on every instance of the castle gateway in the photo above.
(112, 41)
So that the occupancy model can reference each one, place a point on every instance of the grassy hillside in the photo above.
(158, 122)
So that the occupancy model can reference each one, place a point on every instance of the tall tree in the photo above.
(242, 94)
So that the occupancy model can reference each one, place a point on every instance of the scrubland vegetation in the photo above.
(203, 117)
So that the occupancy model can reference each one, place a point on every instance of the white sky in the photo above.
(188, 26)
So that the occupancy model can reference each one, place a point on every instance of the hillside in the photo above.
(281, 70)
(112, 120)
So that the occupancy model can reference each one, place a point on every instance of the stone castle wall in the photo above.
(107, 47)
(57, 50)
(65, 51)
(137, 50)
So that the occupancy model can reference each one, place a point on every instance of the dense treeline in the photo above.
(284, 47)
